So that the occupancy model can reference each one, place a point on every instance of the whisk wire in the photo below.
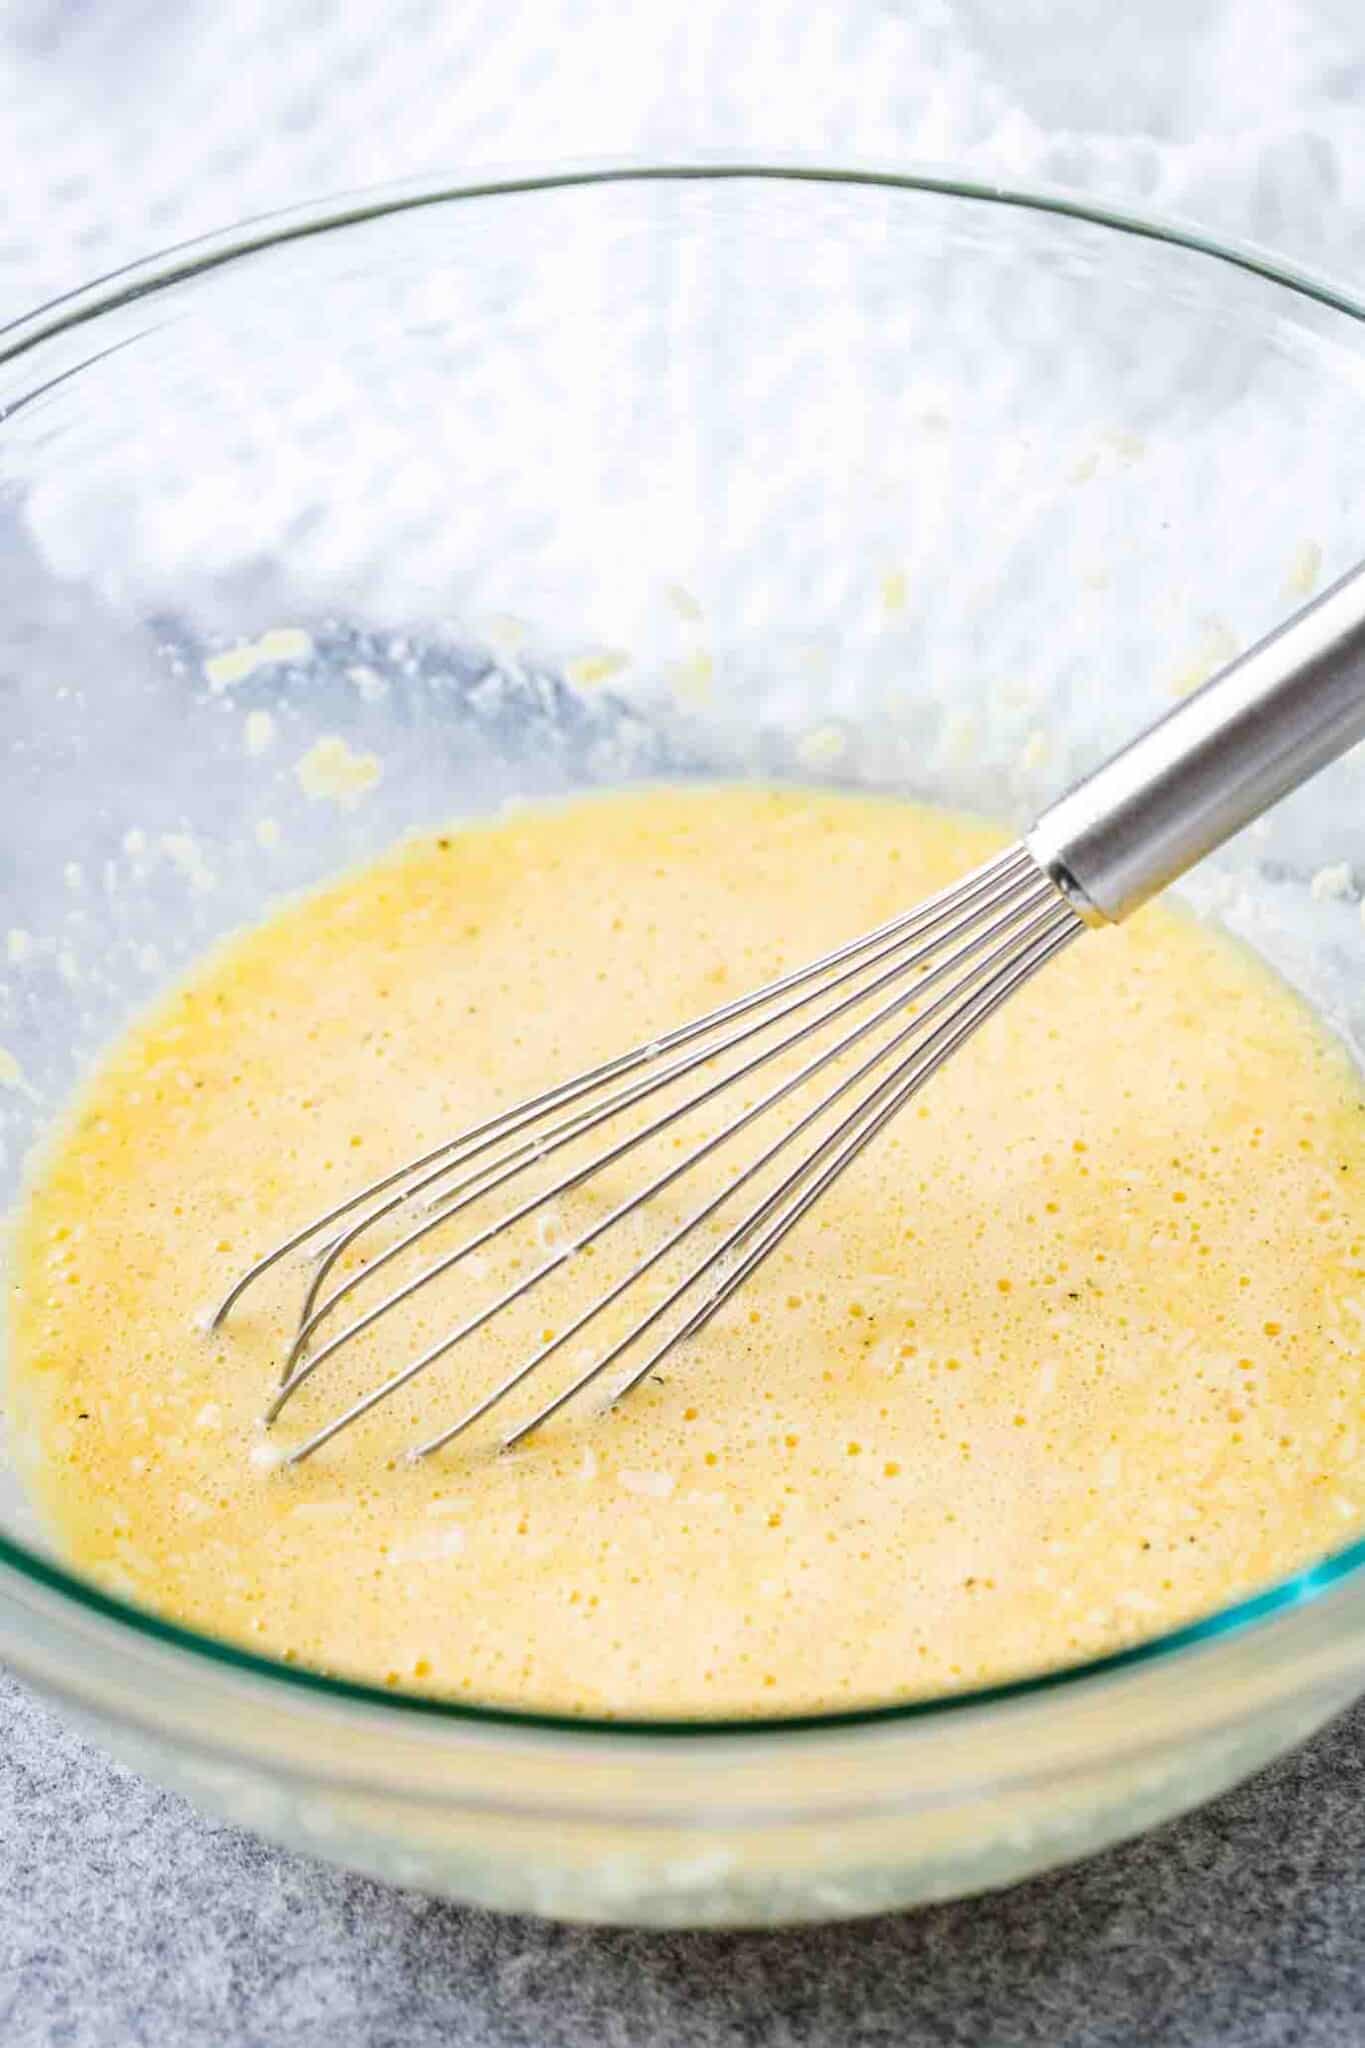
(975, 943)
(664, 1180)
(1045, 924)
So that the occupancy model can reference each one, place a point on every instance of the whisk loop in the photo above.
(969, 947)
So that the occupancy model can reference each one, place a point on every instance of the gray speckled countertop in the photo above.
(128, 1921)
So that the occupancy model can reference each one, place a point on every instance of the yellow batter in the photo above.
(1074, 1354)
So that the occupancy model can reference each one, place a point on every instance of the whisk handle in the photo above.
(1281, 711)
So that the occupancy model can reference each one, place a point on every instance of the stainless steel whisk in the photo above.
(1285, 709)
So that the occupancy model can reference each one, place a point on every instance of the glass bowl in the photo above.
(629, 472)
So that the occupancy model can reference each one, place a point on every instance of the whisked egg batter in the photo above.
(1071, 1355)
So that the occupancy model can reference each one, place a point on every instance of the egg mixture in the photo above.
(1073, 1354)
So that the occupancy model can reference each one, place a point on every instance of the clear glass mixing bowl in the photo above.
(632, 472)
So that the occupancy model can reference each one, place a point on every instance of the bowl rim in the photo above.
(199, 254)
(196, 257)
